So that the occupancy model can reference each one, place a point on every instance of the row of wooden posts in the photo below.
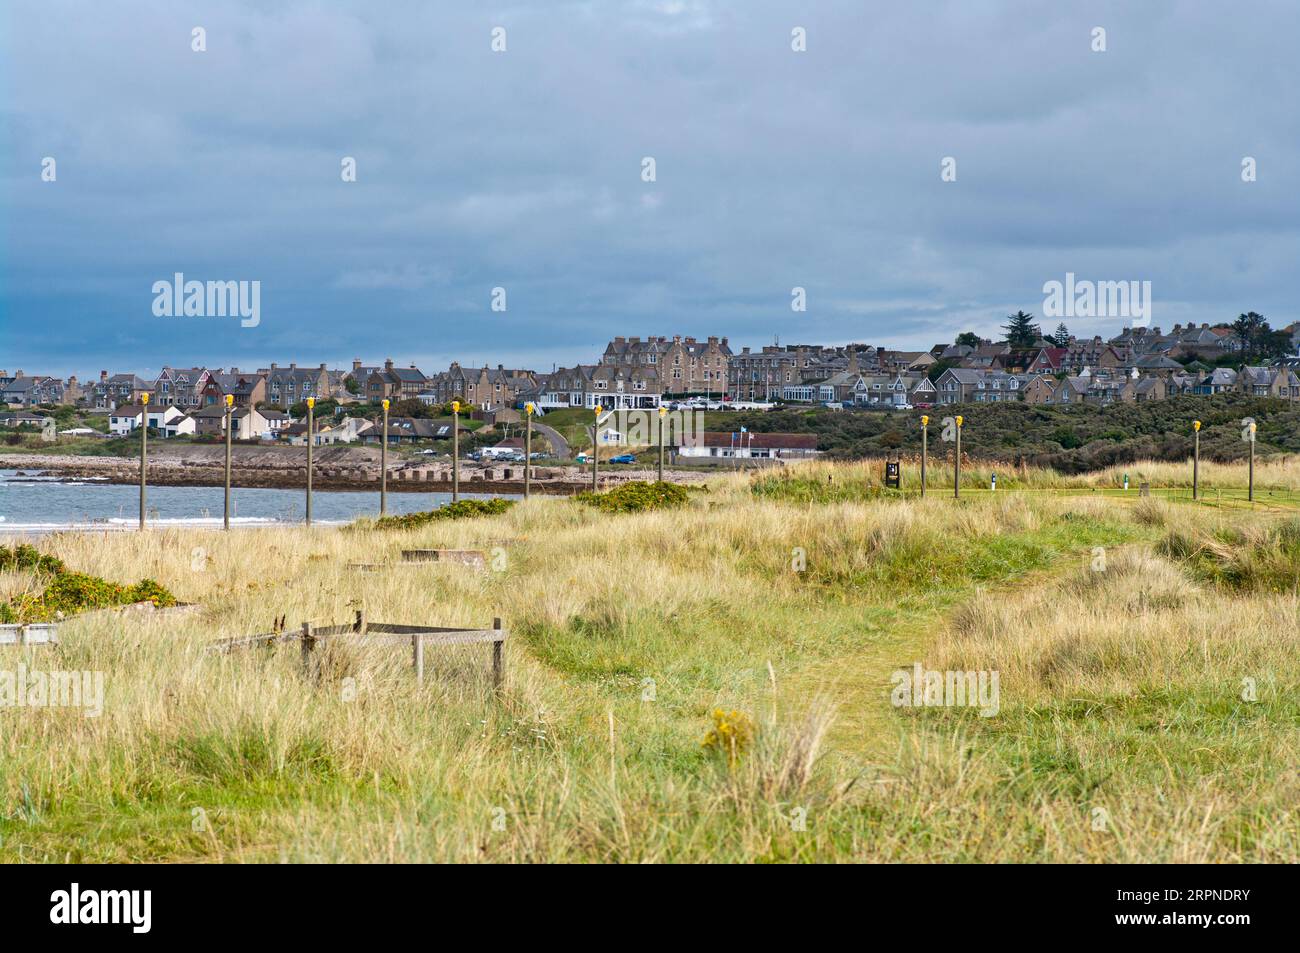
(529, 410)
(1196, 458)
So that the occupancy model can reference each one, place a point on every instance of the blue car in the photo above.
(623, 458)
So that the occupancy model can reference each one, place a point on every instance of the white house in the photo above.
(124, 419)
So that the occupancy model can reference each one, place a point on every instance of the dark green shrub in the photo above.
(637, 496)
(461, 509)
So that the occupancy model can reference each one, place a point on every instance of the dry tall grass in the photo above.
(1120, 691)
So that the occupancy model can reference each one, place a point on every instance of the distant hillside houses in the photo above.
(1138, 363)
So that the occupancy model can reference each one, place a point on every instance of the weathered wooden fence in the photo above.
(310, 637)
(35, 634)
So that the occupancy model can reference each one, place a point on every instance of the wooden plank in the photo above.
(389, 627)
(461, 637)
(417, 650)
(498, 662)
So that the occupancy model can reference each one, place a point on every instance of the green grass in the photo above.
(1120, 692)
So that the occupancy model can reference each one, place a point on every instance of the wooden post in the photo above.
(417, 656)
(528, 452)
(383, 465)
(663, 415)
(498, 660)
(311, 434)
(1250, 486)
(455, 450)
(925, 447)
(144, 452)
(956, 464)
(595, 453)
(1196, 461)
(225, 515)
(359, 624)
(308, 646)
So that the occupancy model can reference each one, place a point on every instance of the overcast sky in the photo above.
(523, 170)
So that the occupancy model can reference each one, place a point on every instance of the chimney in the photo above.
(713, 340)
(103, 377)
(635, 340)
(724, 341)
(322, 366)
(356, 364)
(293, 366)
(677, 339)
(273, 367)
(620, 340)
(388, 363)
(745, 349)
(500, 367)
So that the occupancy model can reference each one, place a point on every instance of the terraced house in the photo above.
(684, 365)
(614, 387)
(485, 387)
(247, 389)
(181, 386)
(286, 386)
(392, 383)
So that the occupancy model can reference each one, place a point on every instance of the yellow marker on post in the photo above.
(956, 462)
(1196, 460)
(595, 449)
(528, 451)
(383, 462)
(311, 439)
(925, 447)
(455, 450)
(663, 414)
(225, 513)
(144, 449)
(1250, 486)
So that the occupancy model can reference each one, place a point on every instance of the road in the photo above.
(559, 446)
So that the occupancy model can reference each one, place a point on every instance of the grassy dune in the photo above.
(1125, 632)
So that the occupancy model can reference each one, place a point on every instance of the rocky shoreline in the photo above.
(334, 468)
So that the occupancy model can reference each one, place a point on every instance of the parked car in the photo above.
(623, 458)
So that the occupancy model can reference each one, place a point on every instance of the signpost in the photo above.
(311, 439)
(225, 513)
(144, 449)
(893, 474)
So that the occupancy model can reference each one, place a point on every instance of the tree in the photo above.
(1062, 336)
(352, 384)
(969, 338)
(1021, 330)
(1250, 328)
